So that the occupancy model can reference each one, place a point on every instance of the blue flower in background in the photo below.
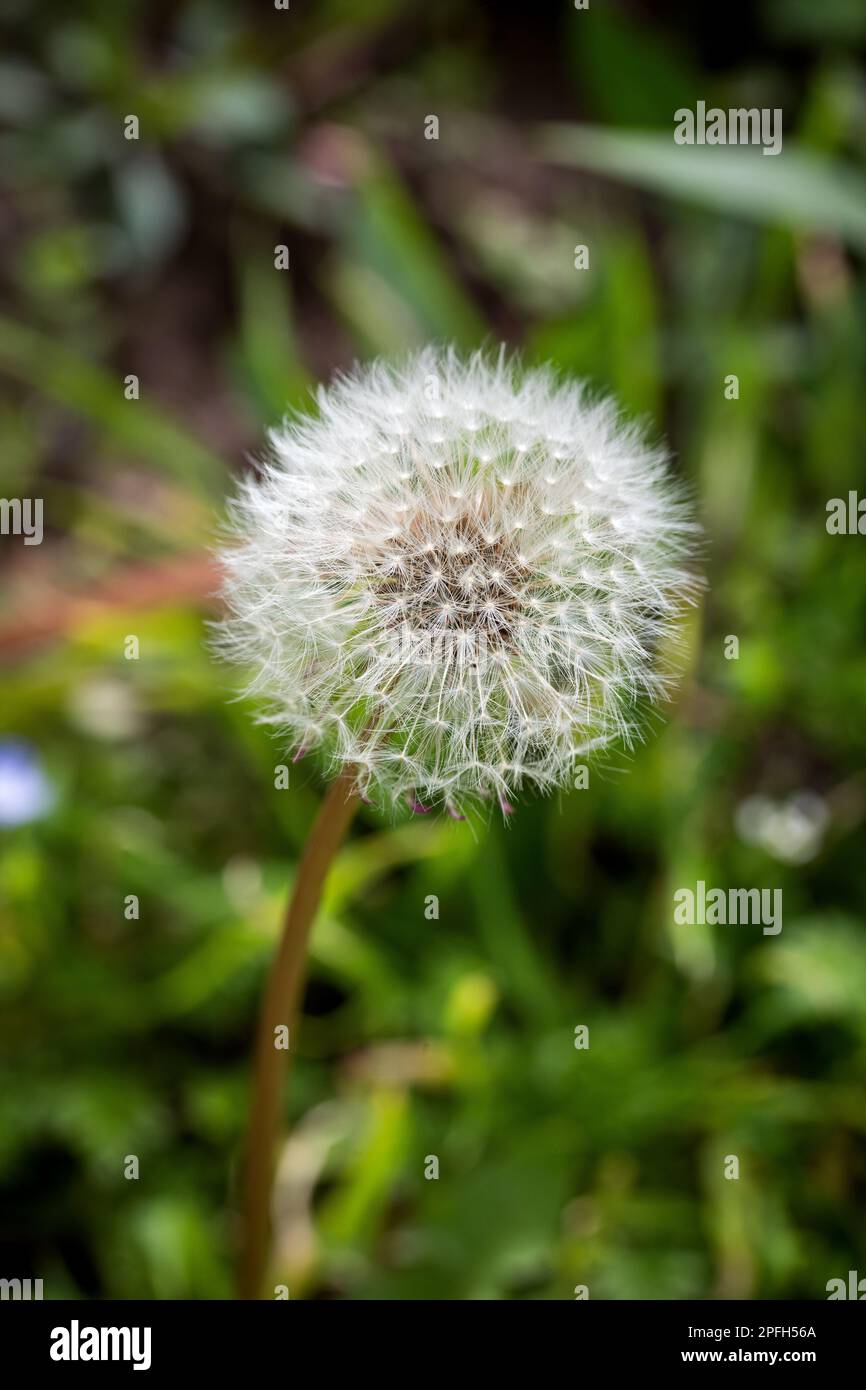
(25, 792)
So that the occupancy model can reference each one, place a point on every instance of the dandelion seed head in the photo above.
(458, 591)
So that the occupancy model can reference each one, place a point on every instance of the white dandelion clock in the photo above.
(455, 580)
(453, 583)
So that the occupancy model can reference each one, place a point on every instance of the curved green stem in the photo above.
(271, 1064)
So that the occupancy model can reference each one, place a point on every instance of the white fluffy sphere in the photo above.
(455, 578)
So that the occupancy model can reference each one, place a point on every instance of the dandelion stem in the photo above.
(271, 1063)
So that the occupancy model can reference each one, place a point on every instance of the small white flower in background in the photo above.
(792, 831)
(106, 709)
(456, 578)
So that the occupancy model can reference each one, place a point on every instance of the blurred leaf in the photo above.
(508, 942)
(92, 391)
(353, 1211)
(633, 72)
(820, 969)
(386, 235)
(269, 353)
(804, 191)
(152, 207)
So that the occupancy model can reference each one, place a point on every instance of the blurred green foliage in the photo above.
(452, 1037)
